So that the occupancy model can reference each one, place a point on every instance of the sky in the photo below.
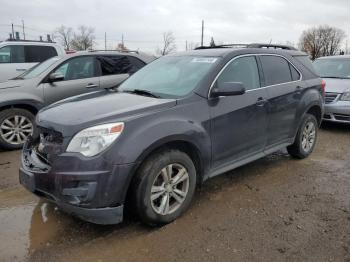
(142, 22)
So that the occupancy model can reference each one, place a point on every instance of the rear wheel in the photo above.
(164, 187)
(306, 138)
(15, 126)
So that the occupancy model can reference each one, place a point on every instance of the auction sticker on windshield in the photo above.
(209, 60)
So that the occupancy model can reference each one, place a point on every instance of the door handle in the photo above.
(298, 89)
(20, 69)
(261, 101)
(91, 85)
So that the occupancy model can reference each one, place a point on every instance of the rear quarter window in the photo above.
(305, 61)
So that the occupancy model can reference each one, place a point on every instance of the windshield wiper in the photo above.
(142, 92)
(17, 78)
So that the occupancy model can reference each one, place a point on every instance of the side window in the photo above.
(77, 68)
(136, 63)
(276, 70)
(12, 54)
(35, 54)
(116, 64)
(295, 73)
(5, 54)
(244, 70)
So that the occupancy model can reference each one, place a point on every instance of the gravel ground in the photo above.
(275, 209)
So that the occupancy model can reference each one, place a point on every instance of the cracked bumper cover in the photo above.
(71, 182)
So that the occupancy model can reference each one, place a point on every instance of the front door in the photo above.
(80, 77)
(238, 125)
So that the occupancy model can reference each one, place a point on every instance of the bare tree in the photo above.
(64, 35)
(321, 41)
(84, 39)
(168, 44)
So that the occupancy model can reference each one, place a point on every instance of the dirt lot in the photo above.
(275, 209)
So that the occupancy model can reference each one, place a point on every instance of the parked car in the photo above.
(17, 56)
(175, 123)
(336, 72)
(55, 79)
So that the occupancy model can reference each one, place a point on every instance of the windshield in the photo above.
(333, 68)
(170, 76)
(38, 69)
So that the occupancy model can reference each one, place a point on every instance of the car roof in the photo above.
(145, 57)
(43, 43)
(223, 52)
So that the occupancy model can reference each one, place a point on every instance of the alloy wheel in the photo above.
(15, 129)
(308, 136)
(169, 189)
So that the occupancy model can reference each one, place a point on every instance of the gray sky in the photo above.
(143, 21)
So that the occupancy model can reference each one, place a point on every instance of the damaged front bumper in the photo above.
(87, 188)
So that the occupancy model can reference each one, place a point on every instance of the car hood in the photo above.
(337, 85)
(11, 84)
(74, 114)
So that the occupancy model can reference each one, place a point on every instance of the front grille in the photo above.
(342, 117)
(330, 97)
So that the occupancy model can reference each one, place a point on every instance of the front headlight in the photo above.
(345, 96)
(94, 140)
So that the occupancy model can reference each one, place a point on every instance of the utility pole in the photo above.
(105, 41)
(122, 41)
(202, 32)
(13, 32)
(186, 45)
(24, 34)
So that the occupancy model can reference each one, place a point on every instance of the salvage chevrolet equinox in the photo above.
(178, 121)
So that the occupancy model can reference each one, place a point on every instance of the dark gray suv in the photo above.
(55, 79)
(175, 123)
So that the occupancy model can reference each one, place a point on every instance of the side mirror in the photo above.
(54, 77)
(228, 89)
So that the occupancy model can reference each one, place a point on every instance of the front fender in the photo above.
(139, 140)
(20, 98)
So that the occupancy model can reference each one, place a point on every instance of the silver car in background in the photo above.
(335, 71)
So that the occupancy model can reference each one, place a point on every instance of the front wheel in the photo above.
(306, 138)
(15, 126)
(164, 187)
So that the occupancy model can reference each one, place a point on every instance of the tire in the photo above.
(25, 126)
(151, 176)
(305, 139)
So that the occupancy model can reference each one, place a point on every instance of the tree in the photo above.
(84, 39)
(64, 35)
(321, 41)
(168, 44)
(212, 42)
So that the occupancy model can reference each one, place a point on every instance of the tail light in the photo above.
(323, 86)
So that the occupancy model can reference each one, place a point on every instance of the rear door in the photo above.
(15, 59)
(80, 76)
(114, 69)
(238, 125)
(12, 62)
(283, 85)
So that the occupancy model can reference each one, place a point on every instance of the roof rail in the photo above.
(258, 45)
(223, 46)
(22, 40)
(254, 45)
(120, 51)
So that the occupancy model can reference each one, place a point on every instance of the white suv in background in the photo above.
(16, 56)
